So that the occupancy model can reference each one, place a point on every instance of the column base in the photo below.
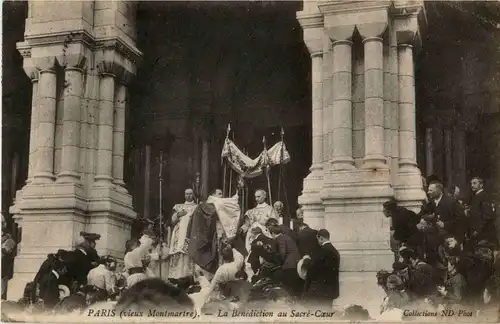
(120, 186)
(68, 177)
(43, 177)
(342, 163)
(375, 163)
(409, 187)
(310, 200)
(103, 181)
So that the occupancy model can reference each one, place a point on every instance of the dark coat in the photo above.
(289, 232)
(482, 217)
(307, 242)
(266, 248)
(203, 243)
(49, 289)
(452, 215)
(404, 224)
(422, 280)
(288, 251)
(79, 265)
(322, 280)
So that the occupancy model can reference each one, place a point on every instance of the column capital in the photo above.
(74, 61)
(369, 24)
(409, 22)
(376, 29)
(30, 69)
(113, 57)
(44, 64)
(312, 26)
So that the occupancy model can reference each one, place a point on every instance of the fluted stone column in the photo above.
(407, 123)
(47, 89)
(374, 104)
(33, 150)
(70, 155)
(342, 105)
(119, 135)
(106, 121)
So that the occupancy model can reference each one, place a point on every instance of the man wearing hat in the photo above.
(83, 258)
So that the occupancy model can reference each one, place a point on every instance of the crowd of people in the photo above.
(446, 256)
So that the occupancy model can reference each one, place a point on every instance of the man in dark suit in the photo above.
(307, 241)
(451, 216)
(403, 226)
(481, 215)
(49, 283)
(289, 253)
(83, 259)
(322, 282)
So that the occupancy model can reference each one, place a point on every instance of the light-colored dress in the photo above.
(180, 264)
(134, 259)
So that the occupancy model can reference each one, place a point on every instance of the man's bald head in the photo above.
(189, 194)
(260, 196)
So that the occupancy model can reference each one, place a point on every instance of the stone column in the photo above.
(47, 90)
(105, 146)
(119, 136)
(409, 186)
(33, 130)
(342, 105)
(317, 111)
(407, 124)
(318, 44)
(70, 155)
(374, 104)
(429, 151)
(326, 92)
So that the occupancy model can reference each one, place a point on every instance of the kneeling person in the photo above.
(102, 278)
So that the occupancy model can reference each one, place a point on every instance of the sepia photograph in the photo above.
(250, 161)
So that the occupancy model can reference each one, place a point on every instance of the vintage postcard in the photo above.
(250, 161)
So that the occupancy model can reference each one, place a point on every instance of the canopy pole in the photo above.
(160, 178)
(266, 166)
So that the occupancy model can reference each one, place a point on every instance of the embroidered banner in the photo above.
(251, 168)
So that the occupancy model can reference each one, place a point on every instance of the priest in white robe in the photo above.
(257, 217)
(180, 264)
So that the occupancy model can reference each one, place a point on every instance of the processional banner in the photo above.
(251, 168)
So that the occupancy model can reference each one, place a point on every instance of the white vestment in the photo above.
(179, 263)
(257, 217)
